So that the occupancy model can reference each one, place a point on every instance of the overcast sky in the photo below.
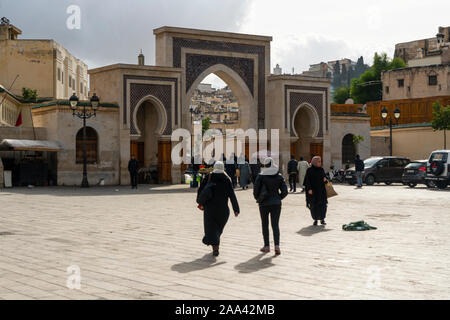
(304, 32)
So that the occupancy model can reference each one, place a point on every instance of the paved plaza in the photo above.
(146, 244)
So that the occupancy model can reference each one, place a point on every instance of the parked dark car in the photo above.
(415, 173)
(380, 169)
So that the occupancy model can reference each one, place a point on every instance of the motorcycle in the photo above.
(336, 175)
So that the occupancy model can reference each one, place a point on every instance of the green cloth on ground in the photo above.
(357, 226)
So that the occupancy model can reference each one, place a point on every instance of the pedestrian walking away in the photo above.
(270, 188)
(292, 172)
(359, 168)
(244, 173)
(230, 168)
(316, 195)
(213, 194)
(133, 168)
(302, 167)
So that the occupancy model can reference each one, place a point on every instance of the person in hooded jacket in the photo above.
(316, 194)
(215, 206)
(270, 188)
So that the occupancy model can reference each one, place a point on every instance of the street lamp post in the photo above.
(194, 110)
(84, 114)
(384, 115)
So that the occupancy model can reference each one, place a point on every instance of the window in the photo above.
(70, 81)
(62, 77)
(81, 88)
(409, 89)
(387, 89)
(91, 146)
(401, 83)
(432, 80)
(383, 163)
(59, 74)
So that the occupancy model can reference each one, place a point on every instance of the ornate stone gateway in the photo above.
(154, 100)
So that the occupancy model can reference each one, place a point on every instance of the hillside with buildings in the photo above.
(219, 105)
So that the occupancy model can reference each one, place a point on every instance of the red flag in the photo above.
(19, 120)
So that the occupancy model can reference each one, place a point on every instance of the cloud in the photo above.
(114, 31)
(291, 52)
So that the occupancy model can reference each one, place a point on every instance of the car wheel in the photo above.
(370, 180)
(441, 184)
(412, 184)
(430, 184)
(388, 183)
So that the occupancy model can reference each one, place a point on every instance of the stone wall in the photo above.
(347, 124)
(416, 143)
(63, 127)
(37, 63)
(415, 81)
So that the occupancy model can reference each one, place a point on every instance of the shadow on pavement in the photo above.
(311, 230)
(67, 191)
(255, 264)
(205, 262)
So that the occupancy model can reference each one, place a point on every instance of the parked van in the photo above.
(438, 168)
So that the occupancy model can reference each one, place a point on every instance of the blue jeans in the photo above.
(359, 178)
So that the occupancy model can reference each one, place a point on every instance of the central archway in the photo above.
(247, 104)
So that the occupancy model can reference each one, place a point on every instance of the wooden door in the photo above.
(316, 149)
(137, 149)
(293, 150)
(164, 162)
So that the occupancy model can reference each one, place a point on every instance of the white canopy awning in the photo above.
(29, 145)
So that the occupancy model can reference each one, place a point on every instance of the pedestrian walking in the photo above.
(212, 197)
(133, 168)
(359, 168)
(255, 167)
(244, 174)
(302, 167)
(316, 195)
(230, 169)
(268, 191)
(292, 172)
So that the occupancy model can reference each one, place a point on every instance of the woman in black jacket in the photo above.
(212, 197)
(268, 191)
(316, 195)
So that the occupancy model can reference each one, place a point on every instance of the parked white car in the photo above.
(438, 168)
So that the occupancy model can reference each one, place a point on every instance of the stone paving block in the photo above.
(146, 244)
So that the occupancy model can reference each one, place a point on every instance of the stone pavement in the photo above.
(146, 244)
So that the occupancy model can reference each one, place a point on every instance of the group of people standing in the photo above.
(269, 190)
(297, 169)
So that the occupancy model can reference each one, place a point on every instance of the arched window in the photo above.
(91, 146)
(348, 149)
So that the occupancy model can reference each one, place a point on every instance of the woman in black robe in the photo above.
(316, 195)
(213, 194)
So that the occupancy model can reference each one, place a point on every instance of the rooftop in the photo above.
(199, 32)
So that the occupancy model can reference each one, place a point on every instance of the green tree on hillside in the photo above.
(368, 86)
(340, 95)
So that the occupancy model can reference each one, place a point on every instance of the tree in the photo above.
(29, 94)
(336, 75)
(368, 86)
(206, 122)
(357, 139)
(441, 119)
(341, 94)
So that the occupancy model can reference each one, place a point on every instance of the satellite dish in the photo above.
(349, 101)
